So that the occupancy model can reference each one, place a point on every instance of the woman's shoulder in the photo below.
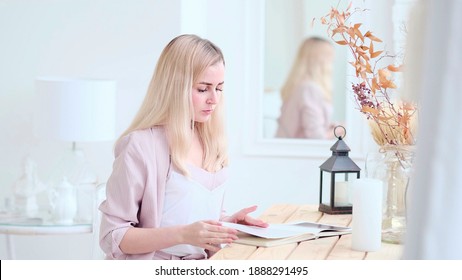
(309, 90)
(146, 134)
(142, 138)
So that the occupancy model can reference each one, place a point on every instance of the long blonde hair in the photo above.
(312, 63)
(168, 102)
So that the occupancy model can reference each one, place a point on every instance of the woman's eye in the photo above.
(202, 90)
(219, 89)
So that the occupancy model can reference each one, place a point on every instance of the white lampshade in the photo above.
(77, 110)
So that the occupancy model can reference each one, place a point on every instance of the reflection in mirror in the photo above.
(288, 26)
(306, 95)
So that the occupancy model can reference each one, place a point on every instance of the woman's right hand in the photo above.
(208, 235)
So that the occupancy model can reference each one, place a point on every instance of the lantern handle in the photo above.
(335, 132)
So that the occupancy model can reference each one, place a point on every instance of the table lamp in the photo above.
(77, 110)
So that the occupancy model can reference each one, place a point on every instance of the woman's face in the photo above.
(207, 91)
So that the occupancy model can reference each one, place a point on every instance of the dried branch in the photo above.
(393, 120)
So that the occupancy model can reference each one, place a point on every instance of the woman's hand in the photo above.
(242, 217)
(208, 235)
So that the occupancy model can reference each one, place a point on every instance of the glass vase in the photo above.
(393, 165)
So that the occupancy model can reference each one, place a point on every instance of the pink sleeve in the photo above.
(124, 191)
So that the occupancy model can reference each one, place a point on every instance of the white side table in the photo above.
(26, 226)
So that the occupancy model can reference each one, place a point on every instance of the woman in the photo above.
(307, 93)
(165, 194)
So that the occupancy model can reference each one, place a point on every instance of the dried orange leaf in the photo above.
(358, 33)
(375, 85)
(357, 68)
(403, 120)
(408, 106)
(372, 111)
(384, 80)
(383, 75)
(340, 29)
(365, 56)
(359, 49)
(342, 42)
(375, 54)
(351, 32)
(368, 68)
(385, 119)
(341, 18)
(349, 6)
(387, 84)
(332, 13)
(394, 68)
(373, 38)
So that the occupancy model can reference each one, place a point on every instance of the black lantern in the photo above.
(334, 177)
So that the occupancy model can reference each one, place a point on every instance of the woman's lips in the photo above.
(208, 111)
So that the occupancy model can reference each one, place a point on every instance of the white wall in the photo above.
(116, 40)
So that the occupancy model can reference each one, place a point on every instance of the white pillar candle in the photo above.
(341, 193)
(367, 214)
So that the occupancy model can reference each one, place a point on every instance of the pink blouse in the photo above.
(135, 190)
(305, 114)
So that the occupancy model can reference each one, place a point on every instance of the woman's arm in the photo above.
(204, 234)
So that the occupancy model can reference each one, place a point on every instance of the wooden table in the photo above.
(328, 248)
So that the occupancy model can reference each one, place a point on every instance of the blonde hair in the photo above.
(312, 63)
(168, 102)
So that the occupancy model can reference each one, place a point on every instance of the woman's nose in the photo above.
(213, 97)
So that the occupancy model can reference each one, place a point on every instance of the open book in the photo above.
(280, 234)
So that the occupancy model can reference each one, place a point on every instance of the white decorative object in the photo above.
(26, 189)
(367, 214)
(64, 203)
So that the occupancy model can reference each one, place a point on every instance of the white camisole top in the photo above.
(188, 200)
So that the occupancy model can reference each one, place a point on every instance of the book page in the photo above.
(284, 230)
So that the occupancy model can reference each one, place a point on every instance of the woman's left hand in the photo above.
(242, 217)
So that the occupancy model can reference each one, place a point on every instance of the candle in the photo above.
(341, 193)
(367, 214)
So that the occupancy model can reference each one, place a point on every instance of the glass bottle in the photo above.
(392, 164)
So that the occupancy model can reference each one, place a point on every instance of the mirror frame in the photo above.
(254, 142)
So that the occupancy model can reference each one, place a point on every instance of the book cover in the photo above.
(280, 234)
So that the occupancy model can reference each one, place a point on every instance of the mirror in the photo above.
(387, 21)
(287, 24)
(255, 140)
